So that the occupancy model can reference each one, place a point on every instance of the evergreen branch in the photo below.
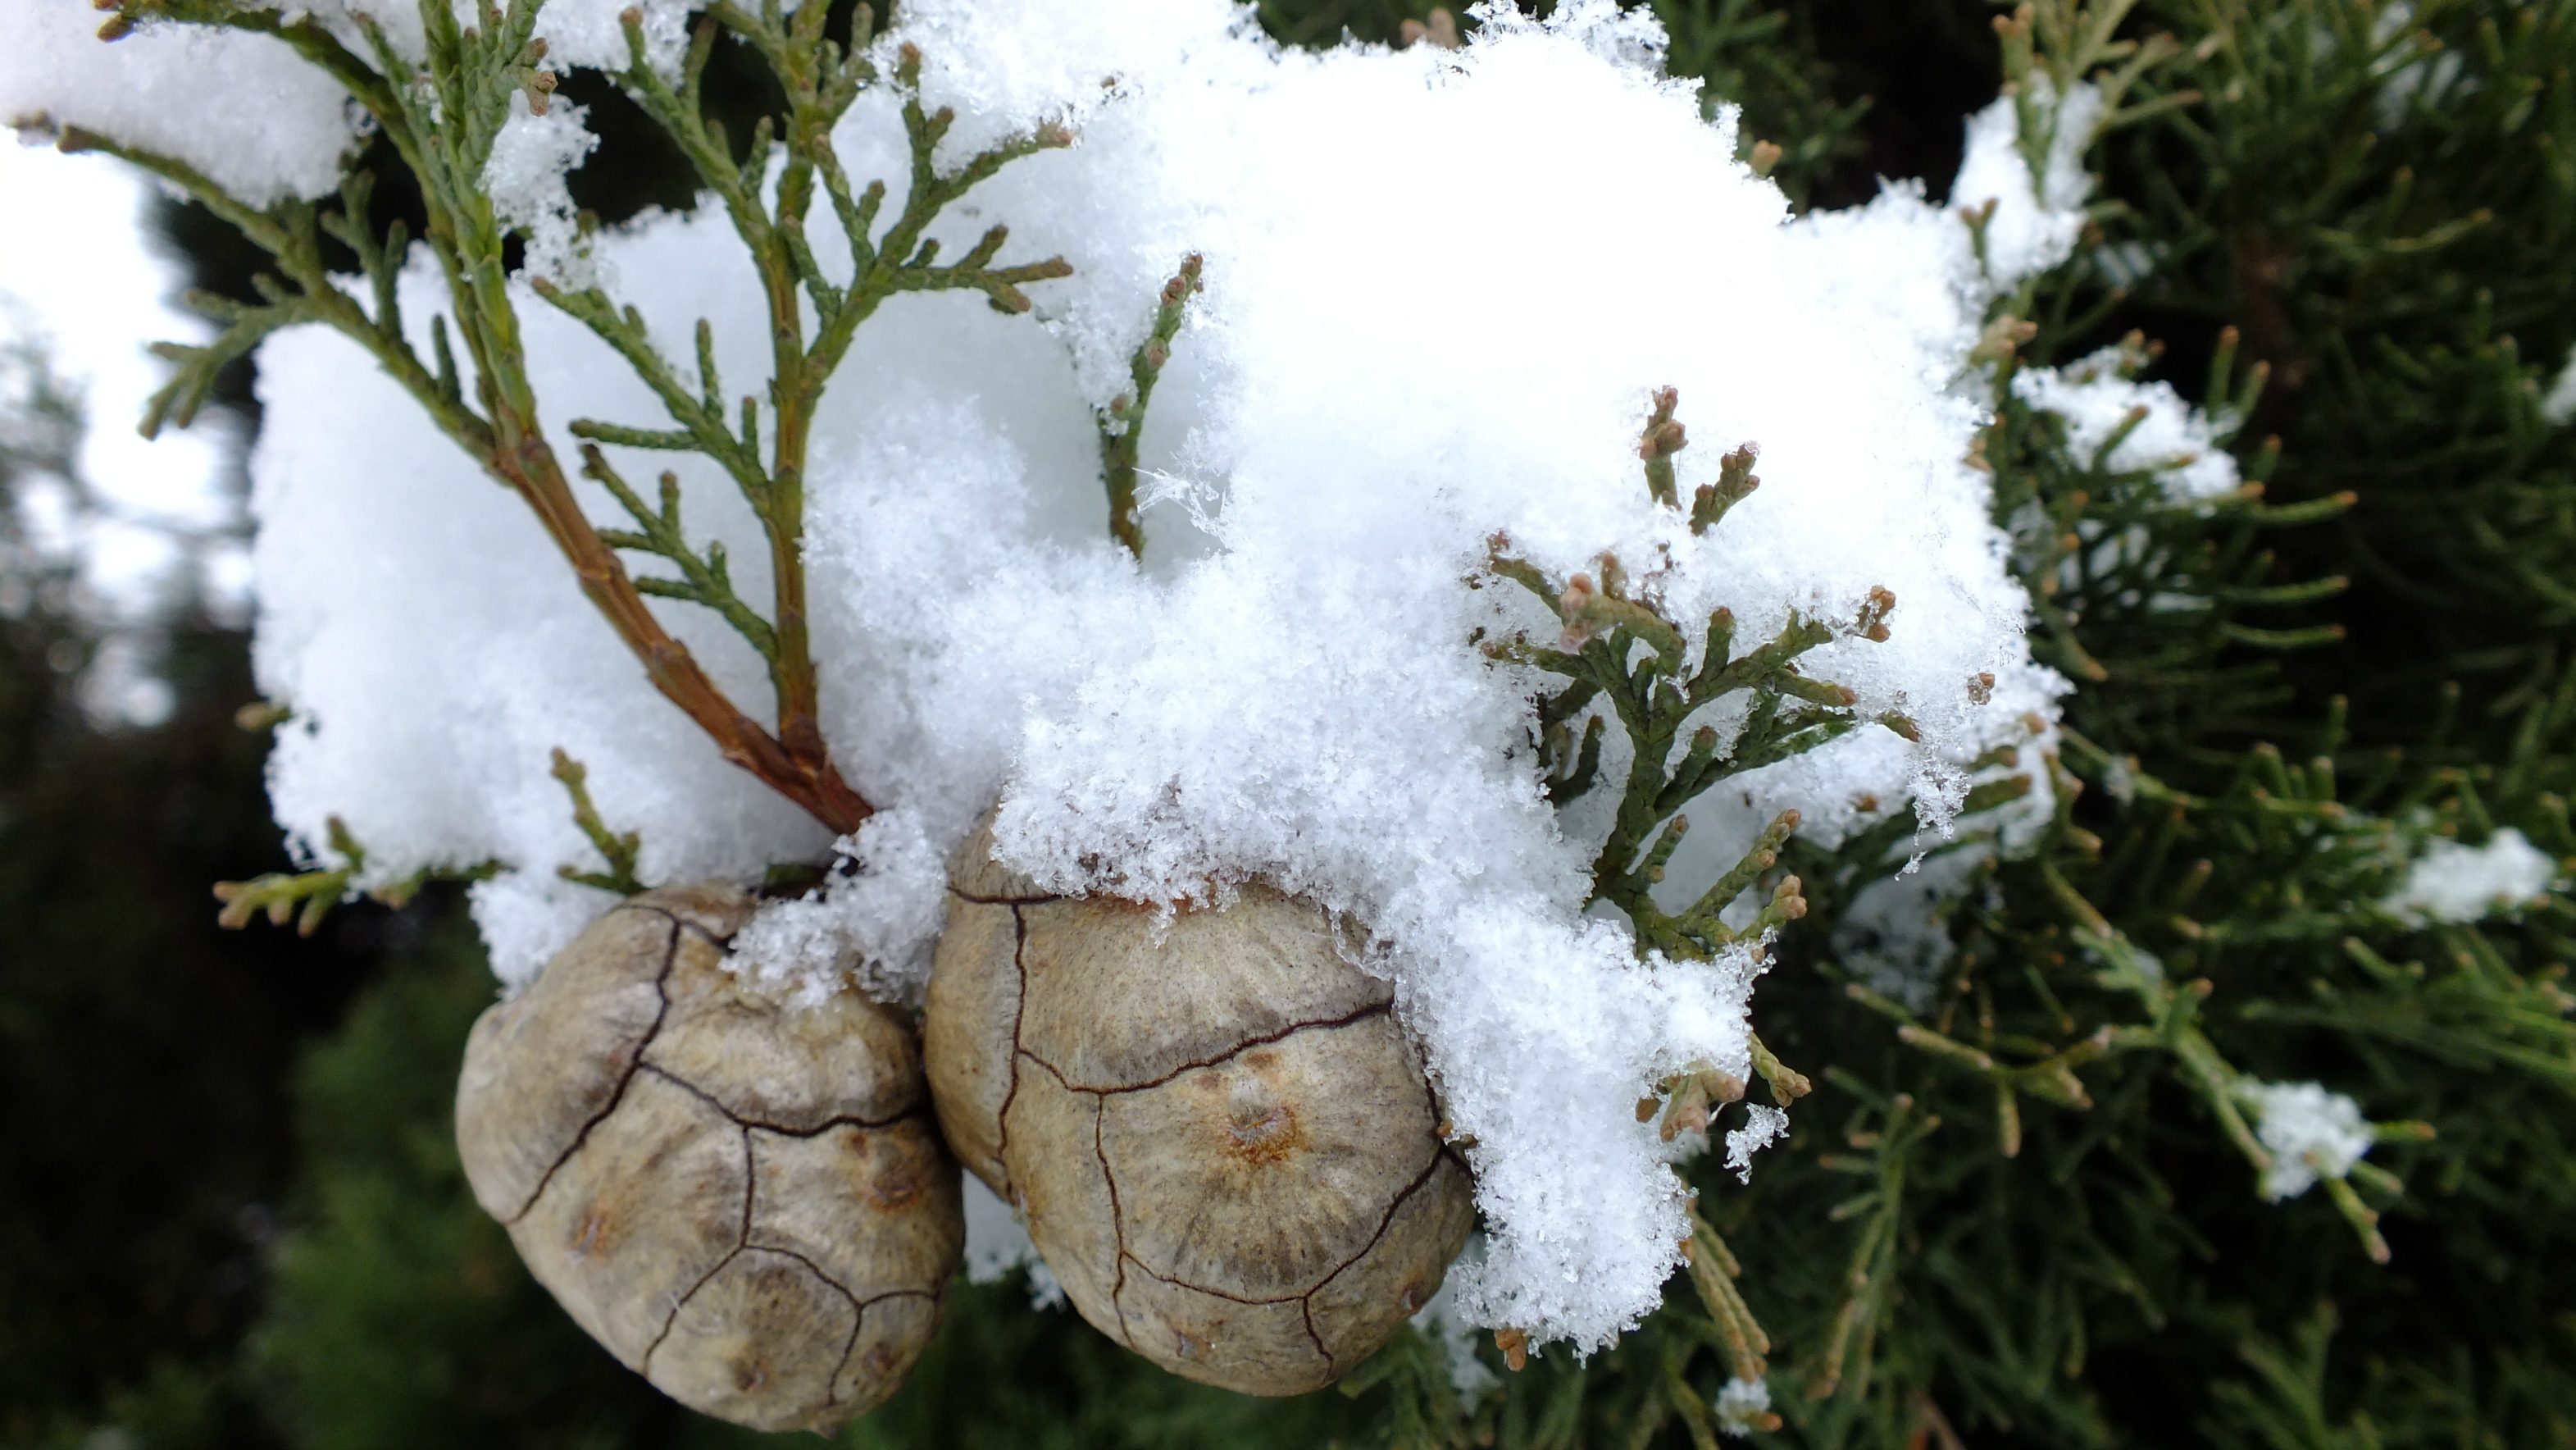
(2052, 46)
(820, 82)
(1520, 571)
(199, 367)
(305, 292)
(306, 897)
(2310, 637)
(1787, 1083)
(296, 27)
(468, 81)
(618, 850)
(1602, 624)
(2051, 1077)
(901, 260)
(2172, 1012)
(1760, 857)
(381, 259)
(1735, 483)
(1713, 1272)
(704, 579)
(1122, 423)
(1843, 1365)
(1664, 437)
(700, 413)
(664, 440)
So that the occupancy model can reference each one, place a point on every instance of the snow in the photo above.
(1763, 1126)
(1456, 1335)
(2176, 441)
(2457, 884)
(1743, 1406)
(524, 176)
(997, 1242)
(2033, 226)
(243, 109)
(2310, 1133)
(525, 916)
(588, 33)
(875, 924)
(1391, 361)
(2558, 405)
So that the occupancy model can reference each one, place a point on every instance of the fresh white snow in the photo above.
(1440, 286)
(2311, 1133)
(2454, 883)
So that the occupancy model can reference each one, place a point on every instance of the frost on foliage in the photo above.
(1763, 1126)
(1743, 1406)
(2310, 1133)
(525, 177)
(2033, 228)
(2170, 437)
(872, 922)
(2455, 883)
(243, 109)
(1288, 689)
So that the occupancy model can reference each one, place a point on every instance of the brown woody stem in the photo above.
(807, 776)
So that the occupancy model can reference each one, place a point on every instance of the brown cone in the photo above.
(745, 1203)
(1219, 1137)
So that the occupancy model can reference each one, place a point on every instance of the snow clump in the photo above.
(243, 109)
(2035, 221)
(876, 922)
(1743, 1406)
(2176, 441)
(1392, 361)
(1763, 1126)
(524, 176)
(2310, 1133)
(2455, 883)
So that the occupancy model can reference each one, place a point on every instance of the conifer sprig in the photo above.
(306, 897)
(303, 897)
(1122, 423)
(1881, 1158)
(2051, 46)
(618, 849)
(443, 116)
(1617, 646)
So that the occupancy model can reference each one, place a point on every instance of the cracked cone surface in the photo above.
(747, 1204)
(1220, 1138)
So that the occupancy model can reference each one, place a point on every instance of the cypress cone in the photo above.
(1220, 1138)
(745, 1203)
